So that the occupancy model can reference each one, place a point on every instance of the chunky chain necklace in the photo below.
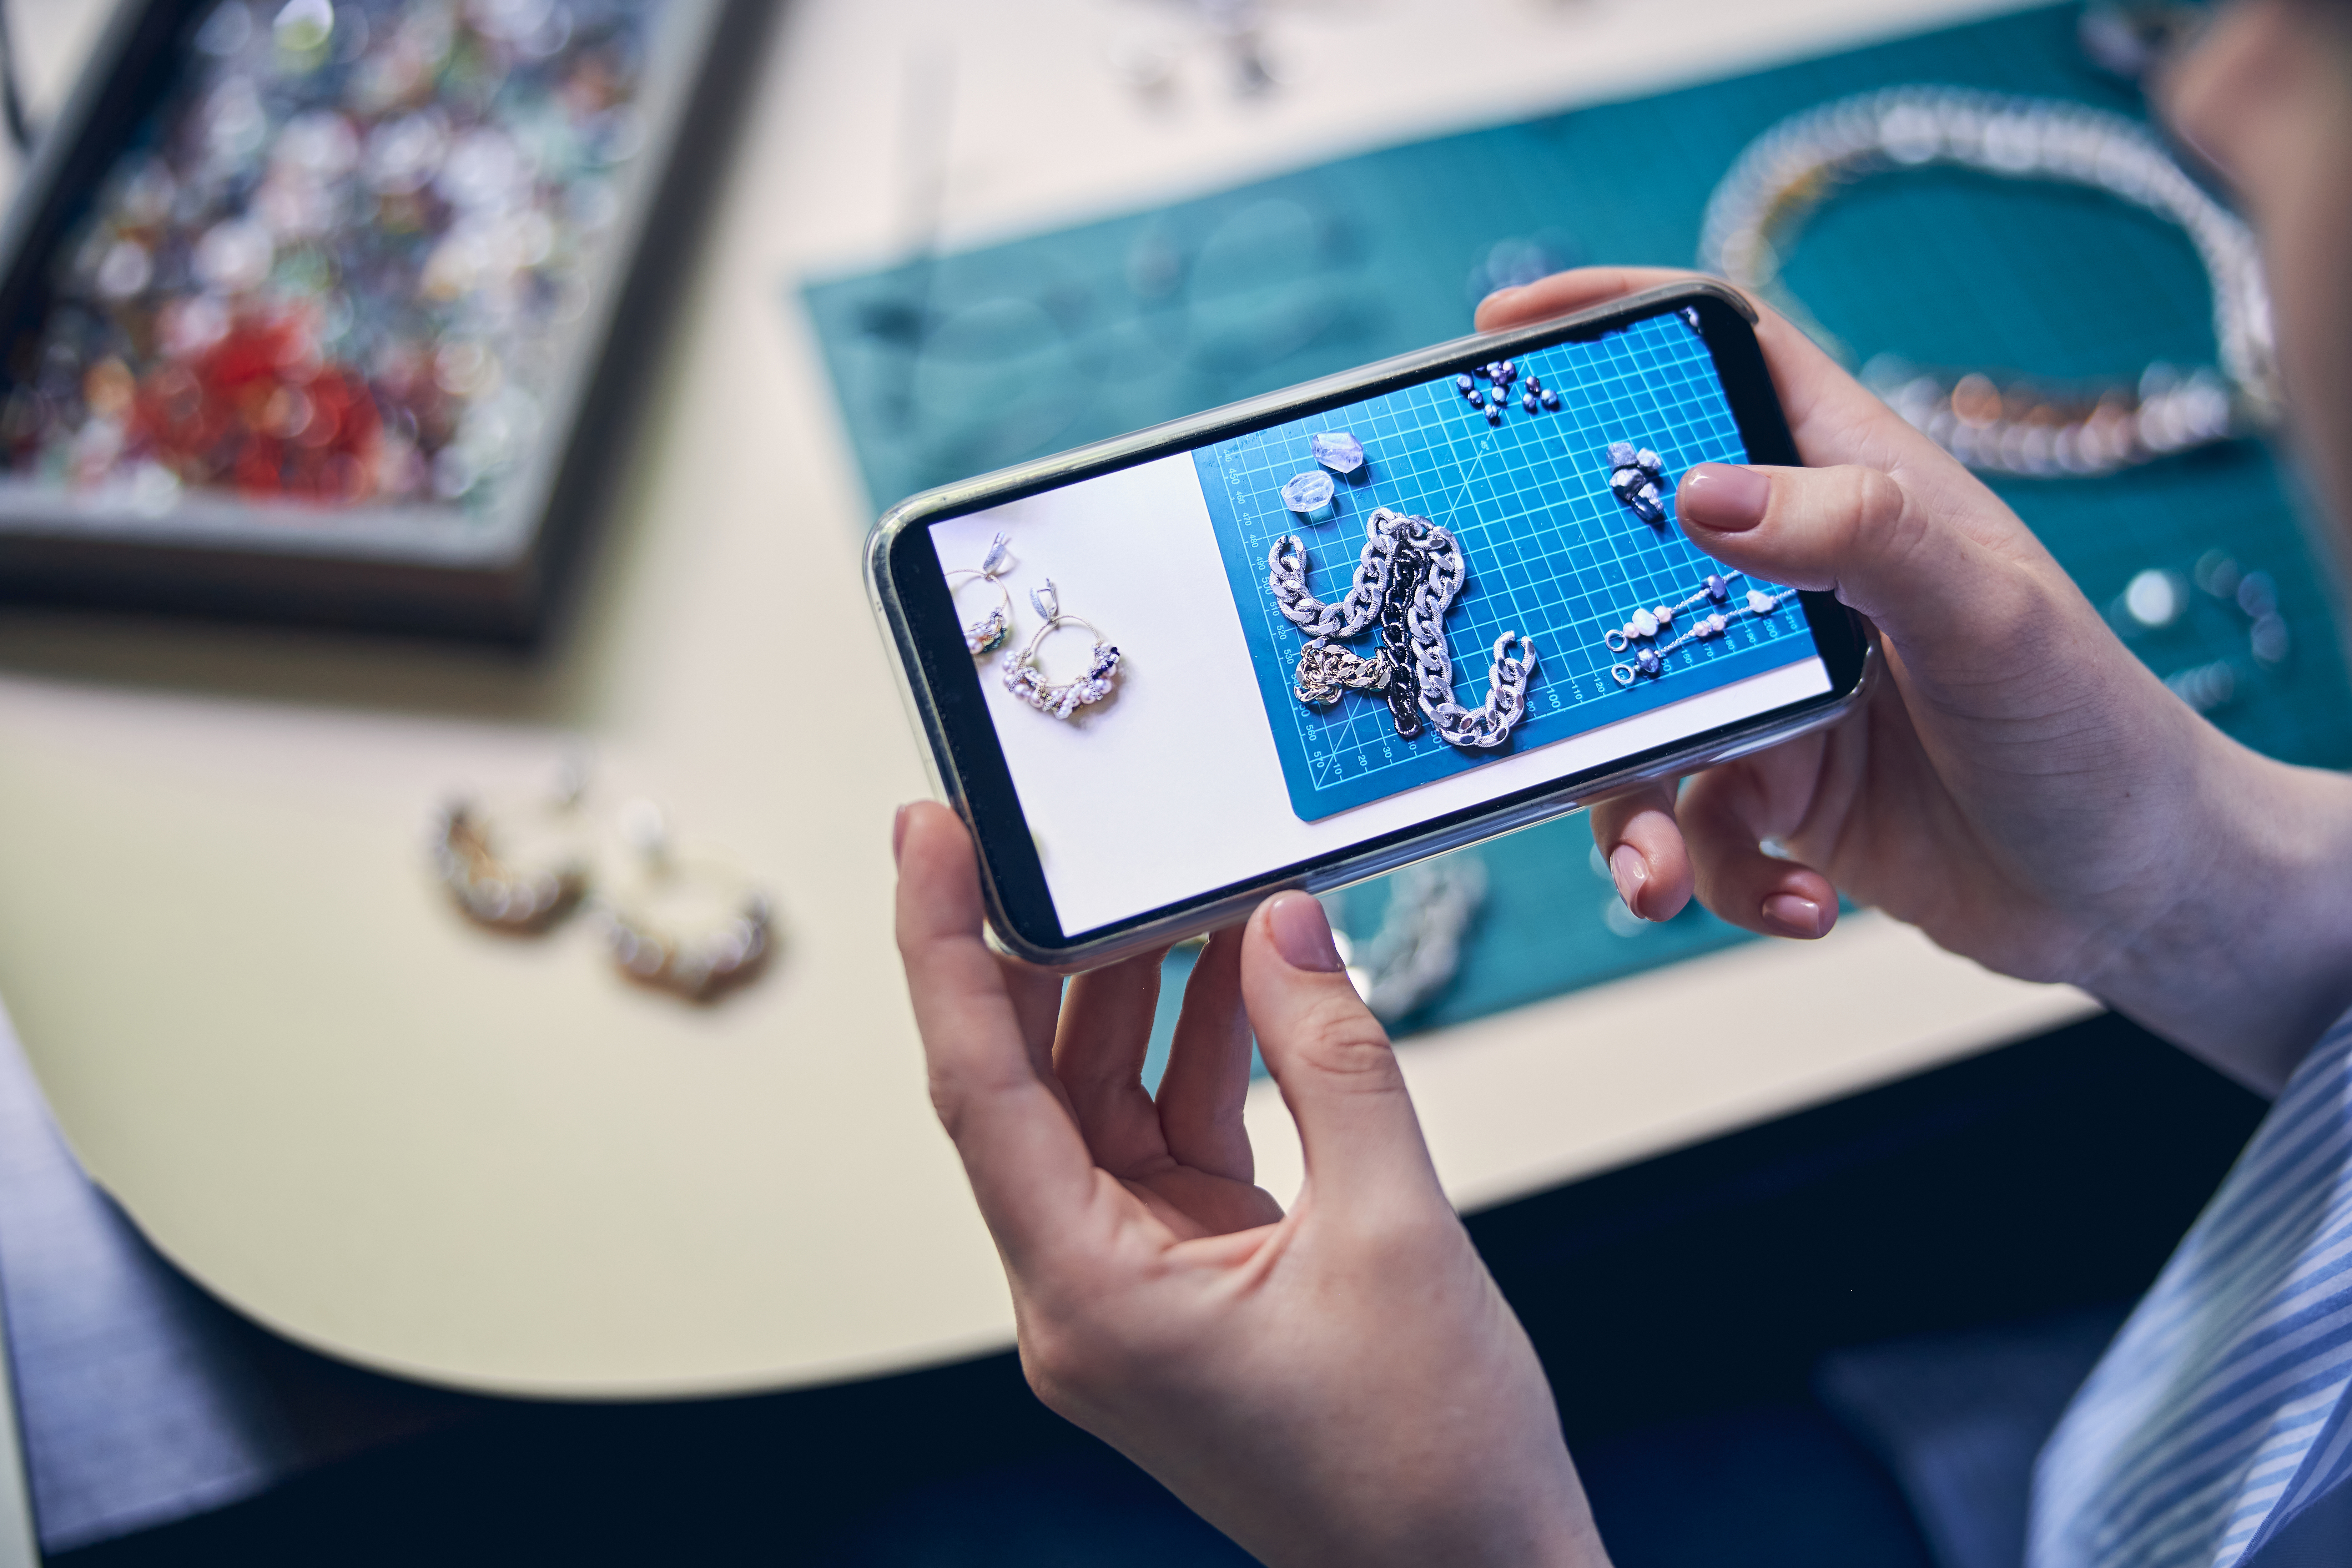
(2025, 427)
(1406, 580)
(1417, 951)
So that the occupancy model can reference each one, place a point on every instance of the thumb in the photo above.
(1331, 1059)
(1950, 585)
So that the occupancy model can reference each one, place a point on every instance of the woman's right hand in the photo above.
(2017, 784)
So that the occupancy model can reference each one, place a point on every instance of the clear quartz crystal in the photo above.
(1309, 492)
(1337, 450)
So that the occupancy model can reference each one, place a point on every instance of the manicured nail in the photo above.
(1301, 933)
(1793, 915)
(1629, 871)
(1723, 497)
(898, 835)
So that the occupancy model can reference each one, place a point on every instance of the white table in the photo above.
(493, 1164)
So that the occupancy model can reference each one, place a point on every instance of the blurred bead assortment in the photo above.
(338, 262)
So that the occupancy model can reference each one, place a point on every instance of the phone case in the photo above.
(1177, 922)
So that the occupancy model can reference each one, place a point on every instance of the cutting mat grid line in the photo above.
(1552, 554)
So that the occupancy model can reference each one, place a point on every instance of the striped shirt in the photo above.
(2224, 1410)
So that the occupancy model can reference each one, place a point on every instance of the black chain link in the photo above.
(1404, 684)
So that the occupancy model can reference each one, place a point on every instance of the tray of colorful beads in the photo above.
(329, 308)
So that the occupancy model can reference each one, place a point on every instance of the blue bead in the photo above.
(1717, 588)
(1464, 384)
(1495, 395)
(1534, 384)
(1505, 371)
(1648, 659)
(1494, 415)
(1551, 398)
(1528, 401)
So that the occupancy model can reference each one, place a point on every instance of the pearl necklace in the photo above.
(2027, 427)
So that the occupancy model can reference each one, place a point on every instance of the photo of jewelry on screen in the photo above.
(1206, 667)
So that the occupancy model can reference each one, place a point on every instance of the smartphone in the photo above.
(1314, 636)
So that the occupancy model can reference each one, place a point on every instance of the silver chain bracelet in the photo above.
(2029, 428)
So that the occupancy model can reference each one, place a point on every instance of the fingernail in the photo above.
(1795, 915)
(1301, 933)
(1723, 497)
(898, 835)
(1629, 871)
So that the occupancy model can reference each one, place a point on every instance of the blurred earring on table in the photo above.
(520, 871)
(693, 927)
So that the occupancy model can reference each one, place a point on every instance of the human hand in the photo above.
(1339, 1385)
(2020, 786)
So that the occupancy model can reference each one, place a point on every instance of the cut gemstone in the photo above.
(1310, 491)
(1337, 451)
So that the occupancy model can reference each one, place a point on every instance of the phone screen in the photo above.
(1311, 619)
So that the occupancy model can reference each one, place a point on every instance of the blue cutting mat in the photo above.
(1552, 554)
(950, 365)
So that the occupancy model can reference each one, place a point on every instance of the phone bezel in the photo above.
(942, 681)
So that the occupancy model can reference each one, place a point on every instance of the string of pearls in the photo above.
(2026, 428)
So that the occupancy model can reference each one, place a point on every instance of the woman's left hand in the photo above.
(1341, 1383)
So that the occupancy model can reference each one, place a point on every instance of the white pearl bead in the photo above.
(1645, 625)
(1760, 603)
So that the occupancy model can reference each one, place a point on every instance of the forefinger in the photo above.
(1563, 293)
(1029, 1168)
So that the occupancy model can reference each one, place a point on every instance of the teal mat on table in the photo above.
(951, 365)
